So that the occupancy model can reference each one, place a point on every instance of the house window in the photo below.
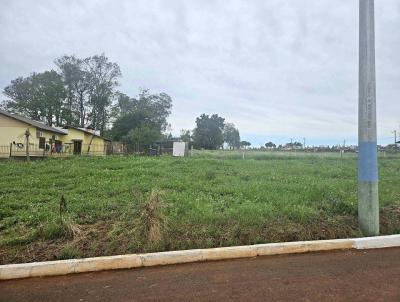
(39, 133)
(42, 142)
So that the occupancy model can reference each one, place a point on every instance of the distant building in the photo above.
(45, 140)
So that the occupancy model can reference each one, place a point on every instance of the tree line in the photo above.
(79, 93)
(82, 92)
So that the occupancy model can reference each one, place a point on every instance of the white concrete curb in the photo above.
(377, 242)
(63, 267)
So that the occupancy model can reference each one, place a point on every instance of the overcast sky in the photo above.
(276, 69)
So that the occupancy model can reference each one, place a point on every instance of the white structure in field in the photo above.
(180, 149)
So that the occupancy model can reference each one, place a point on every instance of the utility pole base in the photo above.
(368, 208)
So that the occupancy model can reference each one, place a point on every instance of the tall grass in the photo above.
(213, 200)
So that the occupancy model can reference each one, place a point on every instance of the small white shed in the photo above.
(180, 149)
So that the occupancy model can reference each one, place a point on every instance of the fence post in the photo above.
(10, 148)
(27, 144)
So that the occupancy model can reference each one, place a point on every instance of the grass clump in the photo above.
(61, 226)
(53, 229)
(143, 226)
(69, 252)
(151, 220)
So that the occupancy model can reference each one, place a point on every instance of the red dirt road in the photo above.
(371, 275)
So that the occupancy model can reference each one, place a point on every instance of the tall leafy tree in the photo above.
(208, 133)
(71, 71)
(103, 77)
(148, 112)
(39, 96)
(50, 93)
(81, 87)
(231, 136)
(90, 85)
(123, 105)
(21, 97)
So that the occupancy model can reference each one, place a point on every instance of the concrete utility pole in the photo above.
(368, 199)
(395, 136)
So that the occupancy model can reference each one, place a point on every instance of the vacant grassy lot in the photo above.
(119, 205)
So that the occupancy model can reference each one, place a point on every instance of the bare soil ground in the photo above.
(371, 275)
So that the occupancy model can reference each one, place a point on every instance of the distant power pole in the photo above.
(344, 143)
(368, 199)
(395, 137)
(304, 142)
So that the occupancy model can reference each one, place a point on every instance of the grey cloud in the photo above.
(278, 67)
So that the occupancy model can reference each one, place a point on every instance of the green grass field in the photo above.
(209, 200)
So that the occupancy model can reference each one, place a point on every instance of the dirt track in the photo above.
(372, 275)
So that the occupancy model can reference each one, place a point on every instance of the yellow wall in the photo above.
(72, 134)
(97, 145)
(12, 130)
